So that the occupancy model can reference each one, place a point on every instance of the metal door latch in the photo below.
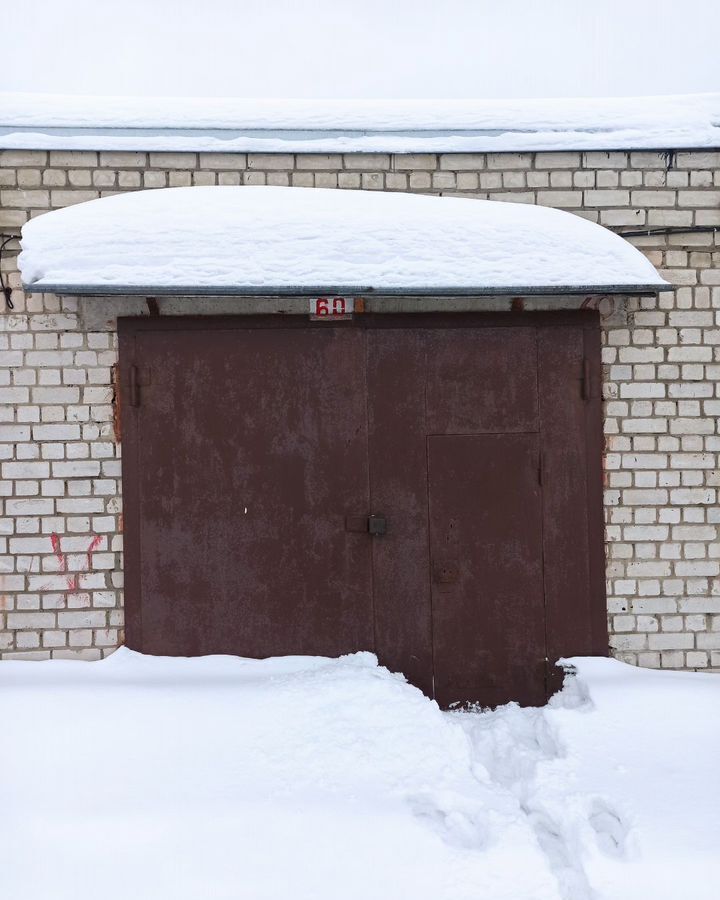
(375, 525)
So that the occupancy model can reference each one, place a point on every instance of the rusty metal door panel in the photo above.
(486, 559)
(397, 367)
(481, 380)
(570, 416)
(250, 449)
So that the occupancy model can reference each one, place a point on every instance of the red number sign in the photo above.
(330, 307)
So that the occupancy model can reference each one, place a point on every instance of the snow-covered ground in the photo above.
(222, 237)
(172, 779)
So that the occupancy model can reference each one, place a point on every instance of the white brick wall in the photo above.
(60, 533)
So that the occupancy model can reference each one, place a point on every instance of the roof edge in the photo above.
(370, 140)
(445, 291)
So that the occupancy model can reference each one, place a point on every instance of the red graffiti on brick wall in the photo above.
(61, 557)
(72, 578)
(94, 544)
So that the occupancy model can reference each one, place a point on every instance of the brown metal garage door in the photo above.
(260, 454)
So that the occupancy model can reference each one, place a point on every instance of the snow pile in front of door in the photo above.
(318, 779)
(230, 238)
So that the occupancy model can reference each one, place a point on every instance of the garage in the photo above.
(356, 422)
(425, 488)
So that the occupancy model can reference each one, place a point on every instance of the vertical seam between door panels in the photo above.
(368, 466)
(541, 488)
(427, 513)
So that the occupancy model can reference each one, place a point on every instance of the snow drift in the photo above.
(244, 239)
(317, 778)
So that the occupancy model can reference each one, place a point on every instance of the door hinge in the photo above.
(136, 380)
(588, 383)
(134, 386)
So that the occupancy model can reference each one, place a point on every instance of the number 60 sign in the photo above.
(331, 307)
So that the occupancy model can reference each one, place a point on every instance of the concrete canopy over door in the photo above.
(256, 448)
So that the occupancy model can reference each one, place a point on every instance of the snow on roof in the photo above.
(257, 239)
(47, 121)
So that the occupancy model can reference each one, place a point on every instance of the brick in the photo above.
(30, 620)
(130, 179)
(25, 199)
(605, 160)
(270, 161)
(54, 178)
(462, 162)
(708, 641)
(69, 198)
(81, 619)
(677, 641)
(123, 159)
(326, 161)
(14, 433)
(701, 605)
(18, 158)
(25, 470)
(509, 160)
(699, 198)
(628, 641)
(86, 469)
(12, 218)
(73, 158)
(183, 160)
(28, 178)
(652, 198)
(407, 161)
(557, 160)
(607, 198)
(560, 199)
(203, 178)
(29, 507)
(697, 160)
(61, 395)
(663, 217)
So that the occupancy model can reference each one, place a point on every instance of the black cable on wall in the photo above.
(5, 239)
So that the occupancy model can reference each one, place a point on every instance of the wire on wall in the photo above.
(5, 239)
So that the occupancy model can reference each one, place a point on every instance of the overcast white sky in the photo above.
(366, 49)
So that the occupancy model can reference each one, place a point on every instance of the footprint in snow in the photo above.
(458, 827)
(610, 830)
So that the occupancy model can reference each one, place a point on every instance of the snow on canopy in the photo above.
(227, 239)
(64, 122)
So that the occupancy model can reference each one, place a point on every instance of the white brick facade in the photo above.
(60, 532)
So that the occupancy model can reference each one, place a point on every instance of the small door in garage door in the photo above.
(486, 550)
(256, 451)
